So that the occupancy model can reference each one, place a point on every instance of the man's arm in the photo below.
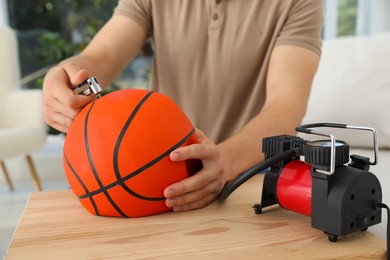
(289, 80)
(112, 48)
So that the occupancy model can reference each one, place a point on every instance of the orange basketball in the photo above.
(116, 153)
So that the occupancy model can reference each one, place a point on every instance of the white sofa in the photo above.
(352, 86)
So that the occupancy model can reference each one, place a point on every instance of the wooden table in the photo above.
(55, 226)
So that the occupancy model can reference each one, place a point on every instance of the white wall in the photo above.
(4, 19)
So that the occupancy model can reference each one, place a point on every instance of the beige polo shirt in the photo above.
(211, 56)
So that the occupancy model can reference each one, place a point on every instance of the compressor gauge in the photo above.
(319, 153)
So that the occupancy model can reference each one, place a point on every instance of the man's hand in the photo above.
(202, 188)
(61, 106)
(104, 58)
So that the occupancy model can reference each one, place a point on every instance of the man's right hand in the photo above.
(104, 57)
(60, 105)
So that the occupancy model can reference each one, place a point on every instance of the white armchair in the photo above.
(22, 127)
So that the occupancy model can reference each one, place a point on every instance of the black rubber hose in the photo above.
(243, 177)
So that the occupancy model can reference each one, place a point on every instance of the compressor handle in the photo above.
(306, 129)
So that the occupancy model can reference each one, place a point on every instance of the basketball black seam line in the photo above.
(117, 208)
(138, 171)
(122, 180)
(82, 184)
(118, 144)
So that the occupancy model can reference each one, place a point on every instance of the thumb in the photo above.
(75, 74)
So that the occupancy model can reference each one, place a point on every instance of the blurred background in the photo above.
(49, 31)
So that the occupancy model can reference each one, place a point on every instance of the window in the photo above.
(3, 12)
(356, 17)
(52, 30)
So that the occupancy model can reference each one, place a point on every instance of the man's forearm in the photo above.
(113, 47)
(244, 149)
(289, 80)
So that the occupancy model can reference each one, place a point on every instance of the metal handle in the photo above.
(306, 129)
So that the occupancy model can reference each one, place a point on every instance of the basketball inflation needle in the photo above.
(97, 96)
(88, 87)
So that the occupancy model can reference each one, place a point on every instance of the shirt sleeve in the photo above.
(137, 10)
(303, 26)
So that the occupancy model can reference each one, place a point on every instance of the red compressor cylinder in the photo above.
(294, 187)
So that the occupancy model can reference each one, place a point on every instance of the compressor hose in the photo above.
(243, 177)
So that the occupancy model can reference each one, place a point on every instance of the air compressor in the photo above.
(319, 179)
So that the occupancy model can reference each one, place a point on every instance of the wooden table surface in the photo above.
(55, 226)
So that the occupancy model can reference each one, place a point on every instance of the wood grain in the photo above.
(55, 226)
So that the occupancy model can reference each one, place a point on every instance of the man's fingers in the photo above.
(190, 195)
(59, 87)
(183, 204)
(197, 151)
(61, 105)
(204, 201)
(195, 182)
(60, 121)
(203, 187)
(75, 74)
(60, 125)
